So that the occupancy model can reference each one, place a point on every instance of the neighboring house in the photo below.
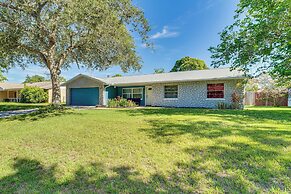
(202, 88)
(11, 91)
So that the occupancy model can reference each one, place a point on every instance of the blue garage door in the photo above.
(84, 96)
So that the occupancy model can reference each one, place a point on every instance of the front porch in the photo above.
(138, 94)
(10, 96)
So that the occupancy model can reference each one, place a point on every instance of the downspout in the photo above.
(104, 94)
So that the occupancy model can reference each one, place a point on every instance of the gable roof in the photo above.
(85, 76)
(183, 76)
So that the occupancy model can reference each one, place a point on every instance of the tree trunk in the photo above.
(56, 93)
(267, 100)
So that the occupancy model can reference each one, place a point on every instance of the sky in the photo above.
(179, 28)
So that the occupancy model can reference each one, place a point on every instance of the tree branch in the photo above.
(41, 54)
(30, 49)
(69, 50)
(10, 6)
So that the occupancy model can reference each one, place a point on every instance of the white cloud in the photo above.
(143, 45)
(166, 33)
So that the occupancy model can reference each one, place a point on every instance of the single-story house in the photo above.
(201, 88)
(11, 91)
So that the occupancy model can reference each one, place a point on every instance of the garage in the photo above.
(85, 96)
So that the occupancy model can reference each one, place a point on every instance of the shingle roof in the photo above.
(5, 86)
(86, 76)
(44, 85)
(198, 75)
(16, 86)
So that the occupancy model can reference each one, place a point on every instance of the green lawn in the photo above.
(147, 150)
(7, 106)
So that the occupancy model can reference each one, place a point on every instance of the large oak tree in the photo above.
(189, 64)
(55, 34)
(259, 40)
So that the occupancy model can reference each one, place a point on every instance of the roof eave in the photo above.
(175, 81)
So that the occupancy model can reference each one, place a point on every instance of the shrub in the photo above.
(233, 105)
(235, 97)
(33, 95)
(120, 102)
(222, 105)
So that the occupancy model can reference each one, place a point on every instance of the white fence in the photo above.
(289, 97)
(250, 98)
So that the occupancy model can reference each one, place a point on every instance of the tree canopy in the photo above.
(58, 33)
(188, 64)
(159, 70)
(39, 78)
(2, 77)
(259, 39)
(62, 79)
(34, 78)
(117, 75)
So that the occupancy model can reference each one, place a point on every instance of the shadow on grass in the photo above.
(253, 164)
(215, 169)
(164, 131)
(241, 155)
(31, 176)
(240, 167)
(41, 113)
(238, 159)
(281, 115)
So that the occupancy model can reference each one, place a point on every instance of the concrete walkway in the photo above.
(5, 114)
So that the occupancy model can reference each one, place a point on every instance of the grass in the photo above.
(7, 106)
(147, 150)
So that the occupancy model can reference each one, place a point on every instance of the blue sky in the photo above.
(179, 28)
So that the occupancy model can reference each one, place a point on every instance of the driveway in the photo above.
(5, 114)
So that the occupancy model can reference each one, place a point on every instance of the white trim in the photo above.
(105, 102)
(178, 88)
(171, 99)
(289, 97)
(215, 99)
(220, 90)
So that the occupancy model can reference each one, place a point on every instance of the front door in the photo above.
(149, 95)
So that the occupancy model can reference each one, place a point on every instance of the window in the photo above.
(132, 93)
(215, 90)
(171, 91)
(11, 94)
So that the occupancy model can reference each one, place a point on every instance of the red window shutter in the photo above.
(215, 90)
